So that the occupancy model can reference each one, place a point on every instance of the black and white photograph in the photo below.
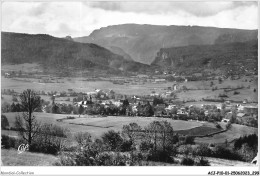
(130, 83)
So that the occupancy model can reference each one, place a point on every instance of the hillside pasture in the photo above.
(199, 131)
(202, 89)
(234, 132)
(96, 126)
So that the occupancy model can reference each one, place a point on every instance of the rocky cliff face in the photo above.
(238, 57)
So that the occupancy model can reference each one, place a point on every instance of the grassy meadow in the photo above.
(96, 126)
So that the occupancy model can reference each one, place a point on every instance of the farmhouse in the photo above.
(240, 108)
(225, 120)
(175, 86)
(83, 103)
(7, 75)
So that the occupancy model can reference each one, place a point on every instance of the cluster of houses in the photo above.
(165, 109)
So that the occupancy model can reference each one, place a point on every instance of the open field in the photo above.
(234, 132)
(12, 158)
(96, 126)
(26, 67)
(78, 85)
(197, 131)
(200, 89)
(8, 99)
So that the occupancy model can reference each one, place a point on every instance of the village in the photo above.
(164, 102)
(165, 105)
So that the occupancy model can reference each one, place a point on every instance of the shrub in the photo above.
(137, 158)
(160, 156)
(14, 99)
(203, 162)
(90, 157)
(184, 149)
(236, 93)
(112, 140)
(202, 150)
(83, 139)
(189, 140)
(51, 139)
(186, 161)
(224, 153)
(126, 146)
(9, 142)
(70, 117)
(218, 126)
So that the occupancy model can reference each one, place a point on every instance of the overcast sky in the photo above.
(81, 18)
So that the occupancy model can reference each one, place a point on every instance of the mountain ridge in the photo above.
(60, 52)
(142, 42)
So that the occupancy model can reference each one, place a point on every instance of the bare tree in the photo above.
(161, 135)
(132, 132)
(27, 124)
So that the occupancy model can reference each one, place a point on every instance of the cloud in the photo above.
(194, 8)
(39, 9)
(75, 19)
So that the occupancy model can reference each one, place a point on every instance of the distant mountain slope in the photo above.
(142, 42)
(228, 57)
(120, 52)
(61, 53)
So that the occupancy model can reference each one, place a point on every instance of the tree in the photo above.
(131, 131)
(148, 110)
(157, 101)
(81, 110)
(112, 140)
(13, 107)
(27, 124)
(5, 107)
(167, 136)
(211, 83)
(160, 133)
(219, 80)
(125, 103)
(53, 99)
(14, 98)
(4, 122)
(55, 109)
